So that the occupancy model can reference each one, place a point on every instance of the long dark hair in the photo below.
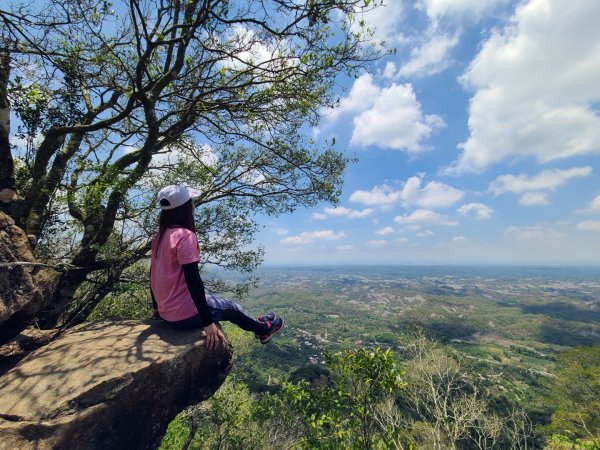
(182, 216)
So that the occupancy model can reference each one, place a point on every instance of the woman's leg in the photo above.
(222, 309)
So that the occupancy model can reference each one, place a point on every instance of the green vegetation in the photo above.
(512, 385)
(577, 393)
(342, 410)
(366, 400)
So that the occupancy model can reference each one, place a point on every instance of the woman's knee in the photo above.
(223, 304)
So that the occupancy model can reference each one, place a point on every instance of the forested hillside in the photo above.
(394, 357)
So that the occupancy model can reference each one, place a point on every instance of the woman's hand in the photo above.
(214, 337)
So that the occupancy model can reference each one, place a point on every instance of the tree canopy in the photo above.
(113, 100)
(576, 393)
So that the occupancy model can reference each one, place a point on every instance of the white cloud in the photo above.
(205, 154)
(174, 154)
(478, 210)
(251, 176)
(593, 208)
(295, 240)
(426, 233)
(251, 50)
(310, 236)
(458, 239)
(545, 180)
(319, 216)
(531, 232)
(534, 198)
(389, 117)
(383, 20)
(402, 240)
(390, 70)
(327, 235)
(536, 87)
(474, 8)
(344, 248)
(431, 57)
(361, 97)
(589, 225)
(384, 231)
(433, 195)
(378, 196)
(424, 217)
(282, 231)
(378, 243)
(395, 121)
(340, 211)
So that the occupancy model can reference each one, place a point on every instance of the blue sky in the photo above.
(478, 141)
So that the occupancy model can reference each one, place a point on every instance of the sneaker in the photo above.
(275, 327)
(267, 318)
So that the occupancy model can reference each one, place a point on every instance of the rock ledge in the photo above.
(107, 384)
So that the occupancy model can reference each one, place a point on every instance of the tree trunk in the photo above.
(63, 293)
(7, 174)
(98, 225)
(45, 187)
(24, 286)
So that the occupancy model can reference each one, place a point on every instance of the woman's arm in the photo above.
(196, 288)
(155, 315)
(214, 336)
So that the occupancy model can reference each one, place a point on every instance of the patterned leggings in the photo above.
(223, 309)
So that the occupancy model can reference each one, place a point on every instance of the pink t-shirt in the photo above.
(178, 246)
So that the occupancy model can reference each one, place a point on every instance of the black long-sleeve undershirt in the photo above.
(196, 287)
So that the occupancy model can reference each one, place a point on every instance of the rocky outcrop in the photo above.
(107, 384)
(24, 287)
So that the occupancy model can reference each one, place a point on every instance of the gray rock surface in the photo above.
(107, 384)
(24, 289)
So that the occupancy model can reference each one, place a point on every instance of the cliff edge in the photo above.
(107, 384)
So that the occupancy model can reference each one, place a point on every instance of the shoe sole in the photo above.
(275, 333)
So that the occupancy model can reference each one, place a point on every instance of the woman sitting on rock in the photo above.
(177, 290)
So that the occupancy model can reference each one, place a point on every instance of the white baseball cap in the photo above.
(170, 197)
